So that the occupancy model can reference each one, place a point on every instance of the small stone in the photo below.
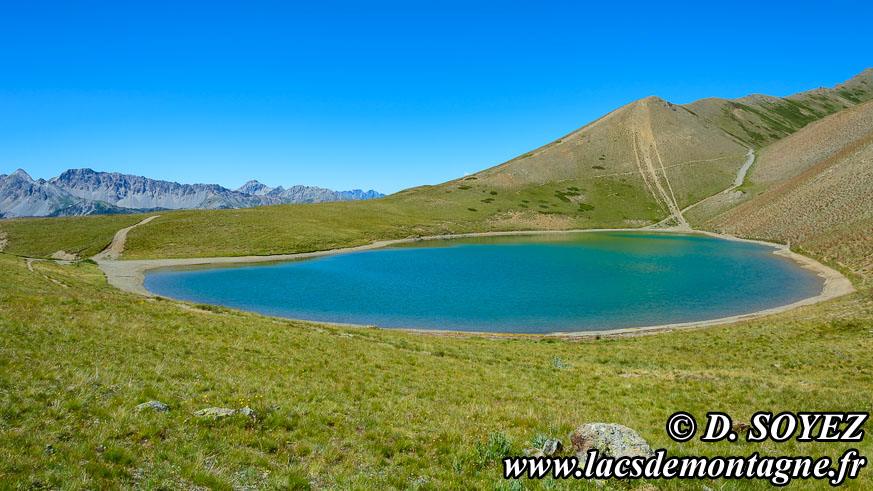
(223, 412)
(215, 412)
(552, 446)
(100, 449)
(534, 452)
(49, 449)
(740, 426)
(153, 405)
(610, 440)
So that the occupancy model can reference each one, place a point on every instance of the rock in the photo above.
(534, 452)
(49, 449)
(223, 412)
(153, 405)
(215, 412)
(740, 426)
(552, 446)
(248, 412)
(610, 440)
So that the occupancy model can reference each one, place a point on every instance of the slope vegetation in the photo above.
(758, 120)
(819, 193)
(649, 153)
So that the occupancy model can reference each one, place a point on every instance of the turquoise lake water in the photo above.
(519, 284)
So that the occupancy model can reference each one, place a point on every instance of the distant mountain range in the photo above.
(87, 192)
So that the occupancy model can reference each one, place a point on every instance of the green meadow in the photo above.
(446, 209)
(371, 408)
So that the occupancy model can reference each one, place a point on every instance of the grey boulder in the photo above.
(552, 446)
(154, 406)
(223, 412)
(610, 440)
(534, 452)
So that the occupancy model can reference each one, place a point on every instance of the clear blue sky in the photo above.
(377, 95)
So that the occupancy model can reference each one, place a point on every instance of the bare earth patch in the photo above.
(520, 220)
(64, 256)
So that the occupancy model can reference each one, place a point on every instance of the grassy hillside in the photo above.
(758, 120)
(41, 237)
(369, 408)
(815, 190)
(788, 158)
(644, 140)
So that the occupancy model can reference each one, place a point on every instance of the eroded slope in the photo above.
(822, 196)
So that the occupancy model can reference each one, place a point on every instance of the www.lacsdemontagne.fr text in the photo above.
(779, 471)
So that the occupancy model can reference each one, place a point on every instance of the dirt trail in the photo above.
(738, 181)
(116, 247)
(646, 152)
(741, 175)
(646, 176)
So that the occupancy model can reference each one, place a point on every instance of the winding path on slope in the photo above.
(741, 175)
(116, 247)
(738, 181)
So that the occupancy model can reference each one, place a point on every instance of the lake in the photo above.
(542, 283)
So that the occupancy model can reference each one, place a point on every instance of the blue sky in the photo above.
(383, 95)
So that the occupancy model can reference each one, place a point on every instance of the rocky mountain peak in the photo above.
(255, 188)
(21, 174)
(86, 191)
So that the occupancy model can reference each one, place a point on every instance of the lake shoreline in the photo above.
(129, 276)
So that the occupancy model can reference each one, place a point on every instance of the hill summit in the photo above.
(641, 164)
